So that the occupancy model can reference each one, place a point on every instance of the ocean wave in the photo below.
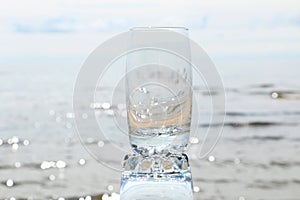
(248, 124)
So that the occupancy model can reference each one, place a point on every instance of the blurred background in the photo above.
(255, 45)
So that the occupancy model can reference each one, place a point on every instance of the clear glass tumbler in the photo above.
(159, 90)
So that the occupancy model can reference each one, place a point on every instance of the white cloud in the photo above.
(116, 15)
(225, 27)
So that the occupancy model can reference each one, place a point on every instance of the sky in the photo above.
(225, 29)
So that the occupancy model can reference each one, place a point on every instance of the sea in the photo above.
(42, 156)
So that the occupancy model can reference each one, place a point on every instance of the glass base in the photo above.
(159, 141)
(159, 176)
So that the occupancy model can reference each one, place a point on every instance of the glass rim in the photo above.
(143, 28)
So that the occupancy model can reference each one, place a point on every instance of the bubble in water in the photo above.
(70, 115)
(242, 198)
(194, 140)
(106, 106)
(81, 161)
(84, 116)
(95, 105)
(45, 165)
(274, 95)
(48, 164)
(26, 142)
(110, 188)
(88, 198)
(13, 140)
(237, 161)
(100, 143)
(196, 189)
(17, 164)
(52, 177)
(9, 183)
(211, 158)
(15, 147)
(105, 196)
(68, 125)
(1, 142)
(60, 164)
(9, 141)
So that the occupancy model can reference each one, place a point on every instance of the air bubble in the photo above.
(81, 161)
(211, 158)
(196, 189)
(106, 106)
(9, 183)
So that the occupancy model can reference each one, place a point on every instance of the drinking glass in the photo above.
(158, 90)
